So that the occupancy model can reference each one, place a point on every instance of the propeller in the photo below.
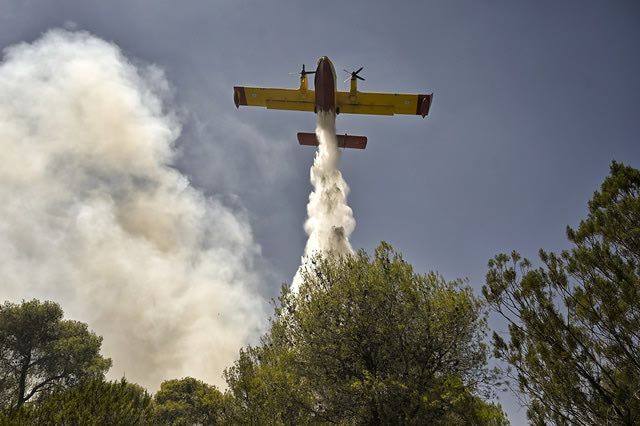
(354, 75)
(303, 72)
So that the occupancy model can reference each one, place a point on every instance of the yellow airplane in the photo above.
(327, 98)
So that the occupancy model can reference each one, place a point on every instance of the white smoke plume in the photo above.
(329, 218)
(94, 217)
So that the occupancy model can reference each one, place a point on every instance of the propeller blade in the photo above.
(303, 72)
(354, 74)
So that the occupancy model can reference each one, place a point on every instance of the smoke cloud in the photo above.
(94, 217)
(329, 218)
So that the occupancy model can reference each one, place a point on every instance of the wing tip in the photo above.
(239, 97)
(424, 104)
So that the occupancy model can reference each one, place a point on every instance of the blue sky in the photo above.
(532, 100)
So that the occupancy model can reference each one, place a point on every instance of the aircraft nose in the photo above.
(324, 67)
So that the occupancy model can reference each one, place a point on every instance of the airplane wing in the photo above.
(383, 103)
(288, 99)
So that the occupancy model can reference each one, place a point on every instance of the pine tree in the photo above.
(40, 352)
(574, 324)
(368, 341)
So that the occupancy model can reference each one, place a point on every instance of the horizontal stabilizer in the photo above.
(344, 141)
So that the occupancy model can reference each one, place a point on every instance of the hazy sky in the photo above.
(532, 100)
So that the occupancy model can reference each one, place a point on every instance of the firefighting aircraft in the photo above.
(326, 97)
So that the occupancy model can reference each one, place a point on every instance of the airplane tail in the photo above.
(344, 141)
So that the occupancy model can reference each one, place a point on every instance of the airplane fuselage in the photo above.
(325, 86)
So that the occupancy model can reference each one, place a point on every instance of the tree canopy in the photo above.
(40, 352)
(368, 341)
(94, 402)
(574, 323)
(189, 401)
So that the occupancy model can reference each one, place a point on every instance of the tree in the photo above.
(40, 352)
(95, 402)
(265, 388)
(189, 401)
(574, 324)
(368, 341)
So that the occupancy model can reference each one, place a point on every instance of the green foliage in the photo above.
(574, 325)
(41, 353)
(368, 341)
(92, 403)
(189, 401)
(265, 389)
